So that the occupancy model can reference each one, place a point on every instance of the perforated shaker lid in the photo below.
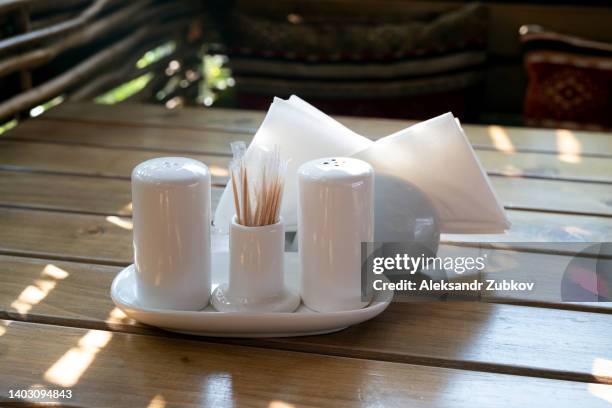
(170, 170)
(335, 169)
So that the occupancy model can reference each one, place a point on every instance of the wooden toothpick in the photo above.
(236, 201)
(266, 192)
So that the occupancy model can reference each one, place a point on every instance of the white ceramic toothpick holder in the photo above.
(256, 272)
(171, 215)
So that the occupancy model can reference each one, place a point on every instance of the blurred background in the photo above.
(542, 63)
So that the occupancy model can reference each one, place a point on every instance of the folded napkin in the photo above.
(433, 156)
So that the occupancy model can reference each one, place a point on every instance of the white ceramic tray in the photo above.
(209, 322)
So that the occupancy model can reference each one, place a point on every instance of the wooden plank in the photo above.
(102, 134)
(596, 169)
(169, 141)
(231, 120)
(553, 195)
(468, 335)
(92, 161)
(67, 236)
(539, 140)
(215, 141)
(113, 369)
(107, 239)
(245, 121)
(118, 163)
(548, 272)
(65, 193)
(112, 196)
(530, 226)
(64, 286)
(70, 193)
(503, 138)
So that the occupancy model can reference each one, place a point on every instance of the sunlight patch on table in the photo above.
(280, 404)
(569, 146)
(116, 316)
(218, 391)
(3, 326)
(120, 222)
(126, 208)
(511, 170)
(67, 371)
(158, 401)
(576, 231)
(35, 293)
(501, 140)
(54, 272)
(218, 171)
(32, 295)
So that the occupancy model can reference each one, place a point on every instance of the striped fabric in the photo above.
(416, 68)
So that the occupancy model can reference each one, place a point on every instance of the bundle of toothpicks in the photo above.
(257, 184)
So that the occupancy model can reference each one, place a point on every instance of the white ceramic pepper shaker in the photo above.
(335, 214)
(171, 216)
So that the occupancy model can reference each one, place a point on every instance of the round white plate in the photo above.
(209, 322)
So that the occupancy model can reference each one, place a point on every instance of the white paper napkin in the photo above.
(433, 156)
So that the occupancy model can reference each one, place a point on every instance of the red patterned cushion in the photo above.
(570, 80)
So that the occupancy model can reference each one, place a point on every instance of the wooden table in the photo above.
(65, 231)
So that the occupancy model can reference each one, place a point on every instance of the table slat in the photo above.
(70, 193)
(529, 226)
(553, 195)
(88, 238)
(112, 196)
(132, 370)
(92, 161)
(581, 168)
(105, 239)
(198, 141)
(244, 121)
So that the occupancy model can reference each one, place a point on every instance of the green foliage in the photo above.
(7, 126)
(156, 54)
(125, 90)
(217, 78)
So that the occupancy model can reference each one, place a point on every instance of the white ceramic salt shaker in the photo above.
(171, 216)
(335, 214)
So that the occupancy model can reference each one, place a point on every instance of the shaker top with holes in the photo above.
(170, 170)
(335, 170)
